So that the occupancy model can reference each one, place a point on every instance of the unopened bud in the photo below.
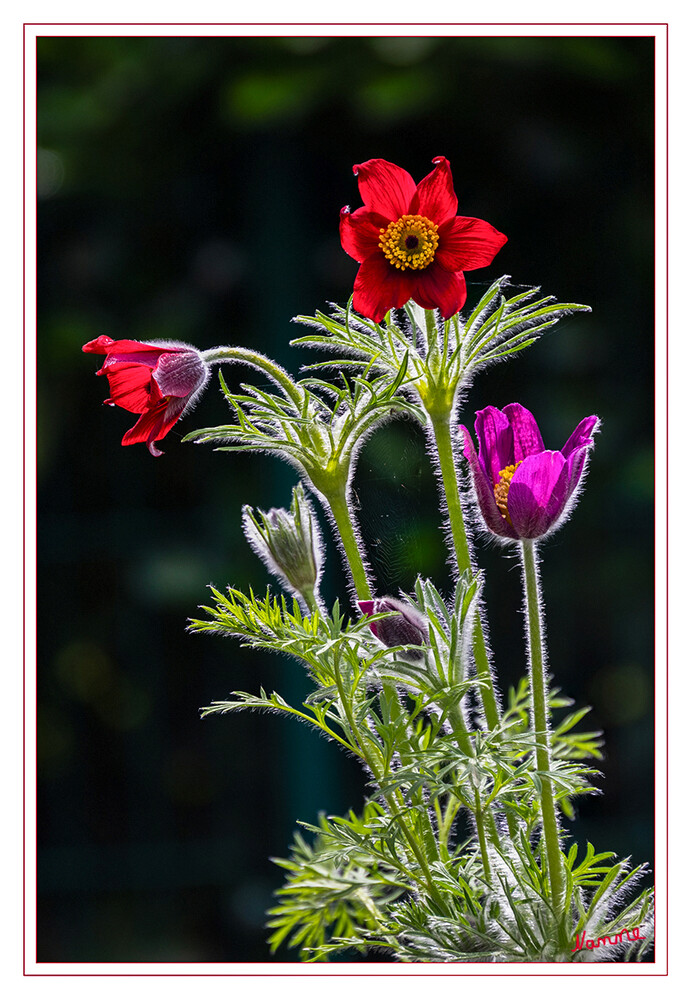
(407, 627)
(289, 543)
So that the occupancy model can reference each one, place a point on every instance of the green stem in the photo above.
(311, 600)
(442, 435)
(482, 838)
(432, 340)
(446, 820)
(242, 355)
(398, 712)
(344, 524)
(341, 513)
(541, 722)
(394, 801)
(460, 730)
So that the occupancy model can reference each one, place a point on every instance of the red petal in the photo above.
(465, 244)
(380, 287)
(360, 232)
(131, 387)
(435, 288)
(123, 350)
(385, 187)
(155, 423)
(435, 197)
(98, 346)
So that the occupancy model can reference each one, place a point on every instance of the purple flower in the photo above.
(407, 627)
(522, 490)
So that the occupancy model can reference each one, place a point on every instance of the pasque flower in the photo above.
(157, 380)
(524, 491)
(406, 627)
(409, 241)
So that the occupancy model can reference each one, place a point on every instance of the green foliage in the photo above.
(319, 428)
(565, 743)
(406, 875)
(351, 889)
(450, 858)
(443, 357)
(339, 884)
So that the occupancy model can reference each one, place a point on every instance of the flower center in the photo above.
(412, 242)
(501, 489)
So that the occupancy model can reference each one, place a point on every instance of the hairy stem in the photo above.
(442, 435)
(346, 531)
(344, 524)
(460, 730)
(447, 466)
(406, 754)
(310, 599)
(242, 355)
(393, 800)
(541, 722)
(482, 838)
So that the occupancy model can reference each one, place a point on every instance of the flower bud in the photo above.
(407, 627)
(289, 544)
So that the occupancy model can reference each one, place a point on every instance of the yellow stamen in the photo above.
(501, 490)
(411, 242)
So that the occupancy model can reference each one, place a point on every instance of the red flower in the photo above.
(410, 242)
(158, 380)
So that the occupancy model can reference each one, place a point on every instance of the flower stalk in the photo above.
(340, 510)
(442, 435)
(394, 800)
(242, 355)
(541, 721)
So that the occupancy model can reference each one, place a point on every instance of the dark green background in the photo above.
(189, 188)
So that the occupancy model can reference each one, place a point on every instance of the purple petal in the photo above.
(367, 608)
(527, 438)
(576, 467)
(406, 628)
(582, 435)
(484, 490)
(495, 439)
(538, 494)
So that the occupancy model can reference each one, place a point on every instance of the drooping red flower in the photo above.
(158, 380)
(409, 241)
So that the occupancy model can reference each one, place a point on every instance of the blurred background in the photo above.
(189, 188)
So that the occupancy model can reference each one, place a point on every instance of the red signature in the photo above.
(590, 944)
